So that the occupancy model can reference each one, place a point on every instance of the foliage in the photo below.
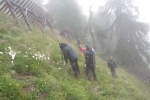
(67, 14)
(50, 78)
(129, 44)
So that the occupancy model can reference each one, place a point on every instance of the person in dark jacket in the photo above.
(69, 53)
(112, 65)
(89, 62)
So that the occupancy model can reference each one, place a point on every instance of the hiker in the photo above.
(112, 65)
(70, 54)
(79, 43)
(89, 63)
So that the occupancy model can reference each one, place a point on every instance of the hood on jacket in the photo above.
(62, 45)
(87, 47)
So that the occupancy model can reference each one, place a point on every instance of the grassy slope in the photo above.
(37, 71)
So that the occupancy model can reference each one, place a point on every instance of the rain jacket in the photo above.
(89, 58)
(112, 63)
(68, 52)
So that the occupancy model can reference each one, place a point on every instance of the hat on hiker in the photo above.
(87, 47)
(110, 57)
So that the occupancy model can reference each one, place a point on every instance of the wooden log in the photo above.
(12, 12)
(1, 2)
(18, 5)
(13, 7)
(4, 7)
(30, 15)
(26, 3)
(24, 16)
(23, 5)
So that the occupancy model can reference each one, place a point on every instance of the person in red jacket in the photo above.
(82, 50)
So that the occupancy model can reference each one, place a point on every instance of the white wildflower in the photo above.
(26, 65)
(59, 68)
(12, 54)
(1, 52)
(48, 58)
(9, 48)
(32, 89)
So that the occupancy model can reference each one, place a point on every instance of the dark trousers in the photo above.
(113, 72)
(88, 70)
(75, 67)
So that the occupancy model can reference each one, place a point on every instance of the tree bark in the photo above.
(90, 28)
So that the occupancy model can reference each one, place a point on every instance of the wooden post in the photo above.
(14, 7)
(3, 7)
(29, 17)
(1, 2)
(39, 23)
(24, 16)
(19, 8)
(23, 7)
(32, 10)
(12, 12)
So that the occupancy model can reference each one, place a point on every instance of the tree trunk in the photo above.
(90, 28)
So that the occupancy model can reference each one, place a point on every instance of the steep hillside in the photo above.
(31, 68)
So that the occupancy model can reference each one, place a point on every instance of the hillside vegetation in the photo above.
(31, 68)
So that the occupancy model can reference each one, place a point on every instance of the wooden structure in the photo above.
(28, 11)
(66, 33)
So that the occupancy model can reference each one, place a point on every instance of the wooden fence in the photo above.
(28, 11)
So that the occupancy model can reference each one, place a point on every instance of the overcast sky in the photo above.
(143, 6)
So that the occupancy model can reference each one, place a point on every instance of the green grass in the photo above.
(38, 72)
